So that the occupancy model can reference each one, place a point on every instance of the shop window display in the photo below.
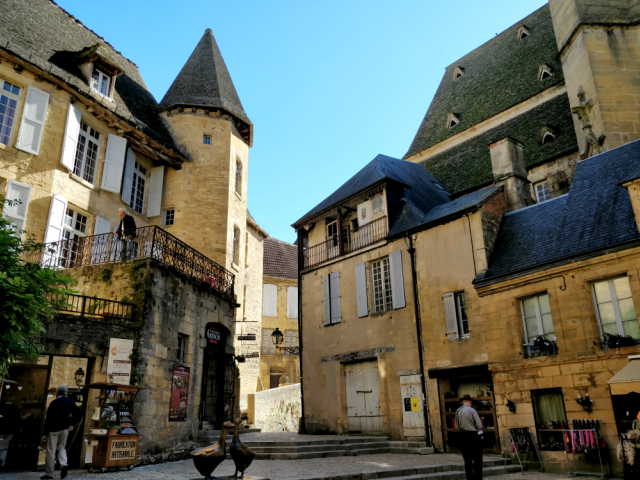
(550, 416)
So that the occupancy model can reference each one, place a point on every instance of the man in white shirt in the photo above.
(471, 435)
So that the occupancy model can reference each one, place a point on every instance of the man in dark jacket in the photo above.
(126, 232)
(61, 416)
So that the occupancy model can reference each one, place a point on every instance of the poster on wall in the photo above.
(179, 394)
(119, 363)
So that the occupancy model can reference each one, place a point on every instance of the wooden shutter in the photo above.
(114, 163)
(57, 212)
(127, 183)
(361, 290)
(155, 191)
(268, 348)
(17, 213)
(334, 283)
(33, 117)
(326, 301)
(102, 226)
(292, 302)
(397, 280)
(450, 315)
(270, 300)
(71, 133)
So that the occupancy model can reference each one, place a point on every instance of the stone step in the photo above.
(315, 448)
(321, 454)
(402, 444)
(455, 474)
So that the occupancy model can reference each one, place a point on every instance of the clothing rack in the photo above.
(522, 442)
(582, 437)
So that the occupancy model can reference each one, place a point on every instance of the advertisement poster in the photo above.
(179, 394)
(119, 363)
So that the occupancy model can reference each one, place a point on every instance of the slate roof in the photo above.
(468, 165)
(497, 75)
(280, 259)
(205, 81)
(595, 214)
(43, 34)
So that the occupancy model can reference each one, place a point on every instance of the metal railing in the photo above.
(352, 240)
(146, 242)
(91, 306)
(531, 351)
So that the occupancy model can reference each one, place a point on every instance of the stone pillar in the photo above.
(509, 170)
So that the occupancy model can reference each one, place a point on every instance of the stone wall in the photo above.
(278, 409)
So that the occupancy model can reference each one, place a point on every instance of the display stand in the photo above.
(572, 463)
(516, 436)
(108, 446)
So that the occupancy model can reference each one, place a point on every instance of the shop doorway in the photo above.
(218, 378)
(364, 413)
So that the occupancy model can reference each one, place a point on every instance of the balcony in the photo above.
(149, 242)
(350, 241)
(91, 306)
(533, 350)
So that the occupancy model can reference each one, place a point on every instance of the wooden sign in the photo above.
(123, 449)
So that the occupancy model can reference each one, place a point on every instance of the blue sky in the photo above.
(327, 84)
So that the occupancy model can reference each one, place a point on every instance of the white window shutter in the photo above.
(336, 315)
(155, 191)
(71, 132)
(57, 211)
(127, 184)
(397, 279)
(17, 213)
(292, 302)
(450, 315)
(102, 226)
(114, 163)
(33, 117)
(326, 301)
(270, 300)
(361, 290)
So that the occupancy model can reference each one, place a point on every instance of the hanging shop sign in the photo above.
(212, 334)
(179, 394)
(119, 363)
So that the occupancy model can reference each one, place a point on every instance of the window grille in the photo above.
(87, 153)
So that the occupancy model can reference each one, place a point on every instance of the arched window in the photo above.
(548, 137)
(544, 72)
(523, 32)
(452, 121)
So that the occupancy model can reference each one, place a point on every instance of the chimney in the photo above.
(507, 161)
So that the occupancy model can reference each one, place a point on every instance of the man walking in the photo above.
(61, 416)
(470, 427)
(126, 232)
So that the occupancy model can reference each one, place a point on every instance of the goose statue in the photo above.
(207, 459)
(241, 454)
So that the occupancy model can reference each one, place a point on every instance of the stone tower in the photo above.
(209, 195)
(597, 43)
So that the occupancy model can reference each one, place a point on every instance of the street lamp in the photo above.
(277, 338)
(79, 375)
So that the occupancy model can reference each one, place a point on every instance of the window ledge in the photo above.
(235, 267)
(81, 181)
(8, 149)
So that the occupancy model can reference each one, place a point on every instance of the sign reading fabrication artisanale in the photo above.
(179, 402)
(119, 363)
(123, 449)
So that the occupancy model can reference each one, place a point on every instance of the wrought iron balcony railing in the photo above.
(91, 306)
(350, 241)
(147, 242)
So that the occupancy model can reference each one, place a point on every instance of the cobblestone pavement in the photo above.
(284, 469)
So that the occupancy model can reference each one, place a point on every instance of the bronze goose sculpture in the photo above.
(207, 459)
(241, 454)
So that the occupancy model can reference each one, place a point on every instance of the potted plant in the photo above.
(614, 340)
(545, 345)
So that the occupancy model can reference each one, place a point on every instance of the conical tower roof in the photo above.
(204, 81)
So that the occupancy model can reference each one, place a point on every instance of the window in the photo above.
(137, 191)
(101, 82)
(169, 216)
(268, 348)
(9, 96)
(545, 73)
(292, 302)
(181, 351)
(382, 298)
(290, 339)
(549, 413)
(73, 229)
(614, 308)
(457, 73)
(376, 204)
(87, 152)
(548, 137)
(455, 309)
(238, 179)
(331, 313)
(206, 139)
(542, 192)
(523, 33)
(236, 245)
(537, 321)
(452, 121)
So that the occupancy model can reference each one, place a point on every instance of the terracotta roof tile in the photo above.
(280, 259)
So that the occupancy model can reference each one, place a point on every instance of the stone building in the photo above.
(81, 137)
(505, 269)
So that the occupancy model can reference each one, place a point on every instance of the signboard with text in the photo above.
(179, 402)
(212, 334)
(119, 363)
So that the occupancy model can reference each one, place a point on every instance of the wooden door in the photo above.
(363, 397)
(412, 406)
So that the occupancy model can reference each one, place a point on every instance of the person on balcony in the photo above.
(126, 232)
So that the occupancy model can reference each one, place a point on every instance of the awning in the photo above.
(627, 380)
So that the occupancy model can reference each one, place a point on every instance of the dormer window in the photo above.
(101, 82)
(523, 32)
(452, 121)
(97, 66)
(457, 73)
(547, 135)
(544, 72)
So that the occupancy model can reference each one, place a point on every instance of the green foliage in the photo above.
(24, 306)
(107, 272)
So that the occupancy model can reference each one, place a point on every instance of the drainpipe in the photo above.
(302, 428)
(416, 306)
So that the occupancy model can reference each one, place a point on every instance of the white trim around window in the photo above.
(615, 310)
(536, 317)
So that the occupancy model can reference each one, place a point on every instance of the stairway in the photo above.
(207, 435)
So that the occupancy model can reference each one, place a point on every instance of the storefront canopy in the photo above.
(627, 380)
